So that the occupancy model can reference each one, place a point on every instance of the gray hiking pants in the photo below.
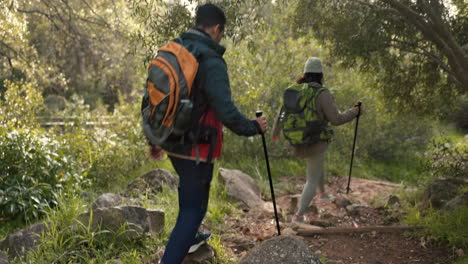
(315, 157)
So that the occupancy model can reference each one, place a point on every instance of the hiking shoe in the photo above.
(297, 218)
(200, 239)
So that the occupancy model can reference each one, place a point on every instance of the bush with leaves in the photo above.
(109, 152)
(20, 105)
(449, 159)
(34, 171)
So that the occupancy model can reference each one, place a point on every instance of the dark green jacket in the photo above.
(212, 78)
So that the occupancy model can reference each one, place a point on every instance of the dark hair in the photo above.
(309, 77)
(209, 15)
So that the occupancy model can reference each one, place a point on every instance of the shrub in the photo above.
(110, 151)
(449, 159)
(20, 104)
(34, 171)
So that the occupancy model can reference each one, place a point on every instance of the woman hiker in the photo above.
(314, 154)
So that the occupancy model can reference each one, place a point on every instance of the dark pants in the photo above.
(194, 190)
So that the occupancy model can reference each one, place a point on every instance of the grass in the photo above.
(68, 241)
(447, 228)
(8, 226)
(462, 260)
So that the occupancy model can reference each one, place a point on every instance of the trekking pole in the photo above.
(259, 114)
(354, 144)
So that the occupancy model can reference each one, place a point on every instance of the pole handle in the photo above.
(358, 105)
(258, 113)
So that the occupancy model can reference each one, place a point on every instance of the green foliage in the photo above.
(160, 21)
(68, 240)
(389, 145)
(446, 159)
(69, 48)
(449, 158)
(34, 171)
(459, 116)
(462, 260)
(7, 226)
(446, 227)
(20, 105)
(111, 151)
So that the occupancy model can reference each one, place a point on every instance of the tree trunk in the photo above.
(436, 30)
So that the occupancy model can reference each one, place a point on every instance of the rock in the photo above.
(441, 191)
(204, 255)
(341, 202)
(288, 232)
(107, 200)
(17, 244)
(391, 200)
(280, 250)
(288, 203)
(238, 242)
(138, 220)
(457, 202)
(312, 209)
(355, 209)
(241, 187)
(3, 258)
(153, 182)
(155, 220)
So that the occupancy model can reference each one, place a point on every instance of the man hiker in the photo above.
(192, 160)
(322, 110)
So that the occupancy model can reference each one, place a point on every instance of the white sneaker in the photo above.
(200, 239)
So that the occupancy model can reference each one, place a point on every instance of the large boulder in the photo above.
(137, 220)
(17, 244)
(3, 258)
(440, 192)
(242, 188)
(280, 250)
(152, 182)
(457, 202)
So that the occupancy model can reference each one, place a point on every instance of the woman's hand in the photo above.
(359, 109)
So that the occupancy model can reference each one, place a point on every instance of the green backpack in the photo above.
(300, 120)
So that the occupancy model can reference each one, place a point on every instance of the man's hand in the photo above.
(156, 153)
(262, 122)
(275, 138)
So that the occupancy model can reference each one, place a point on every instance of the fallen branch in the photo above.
(349, 230)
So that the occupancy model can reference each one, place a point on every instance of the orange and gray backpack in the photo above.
(167, 104)
(168, 100)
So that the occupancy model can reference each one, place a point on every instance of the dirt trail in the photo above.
(340, 211)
